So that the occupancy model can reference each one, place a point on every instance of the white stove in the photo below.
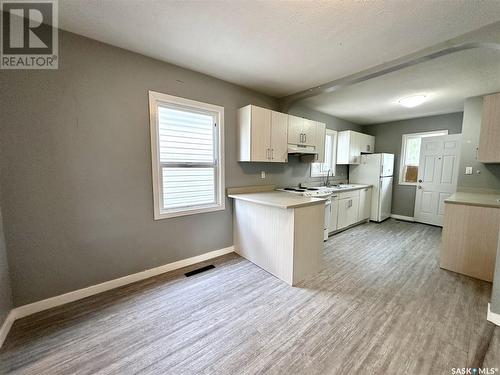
(317, 192)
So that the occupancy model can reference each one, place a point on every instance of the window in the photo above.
(410, 155)
(187, 156)
(322, 169)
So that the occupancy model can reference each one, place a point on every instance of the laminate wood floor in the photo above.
(381, 305)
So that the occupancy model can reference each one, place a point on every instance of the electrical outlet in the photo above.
(468, 170)
(263, 175)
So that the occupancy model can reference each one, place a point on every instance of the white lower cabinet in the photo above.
(348, 209)
(365, 203)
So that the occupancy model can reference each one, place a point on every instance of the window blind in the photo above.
(187, 145)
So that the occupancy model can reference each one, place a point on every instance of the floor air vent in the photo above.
(199, 270)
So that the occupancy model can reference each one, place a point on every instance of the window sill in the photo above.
(185, 212)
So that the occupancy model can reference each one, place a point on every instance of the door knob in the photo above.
(419, 180)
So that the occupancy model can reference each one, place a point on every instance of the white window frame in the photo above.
(156, 99)
(404, 140)
(333, 157)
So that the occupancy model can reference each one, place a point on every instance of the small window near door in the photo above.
(187, 156)
(410, 155)
(322, 169)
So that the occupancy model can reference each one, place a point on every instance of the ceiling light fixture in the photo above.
(412, 101)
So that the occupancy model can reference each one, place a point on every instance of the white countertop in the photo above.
(279, 199)
(475, 199)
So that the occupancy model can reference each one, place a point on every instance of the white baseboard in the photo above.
(32, 308)
(402, 217)
(493, 317)
(5, 328)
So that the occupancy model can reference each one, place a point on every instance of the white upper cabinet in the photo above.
(301, 131)
(262, 135)
(279, 136)
(320, 142)
(351, 145)
(366, 143)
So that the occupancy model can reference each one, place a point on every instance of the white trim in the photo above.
(402, 156)
(402, 217)
(7, 324)
(32, 308)
(493, 317)
(333, 156)
(218, 111)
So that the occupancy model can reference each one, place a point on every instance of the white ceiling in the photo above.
(275, 47)
(447, 82)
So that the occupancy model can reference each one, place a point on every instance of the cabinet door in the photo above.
(334, 212)
(295, 125)
(366, 143)
(348, 212)
(309, 132)
(320, 142)
(279, 137)
(355, 140)
(489, 136)
(260, 134)
(365, 203)
(343, 147)
(353, 211)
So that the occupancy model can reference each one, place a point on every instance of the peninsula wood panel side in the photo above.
(264, 236)
(470, 237)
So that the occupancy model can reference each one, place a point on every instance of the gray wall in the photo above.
(76, 169)
(388, 139)
(5, 292)
(488, 178)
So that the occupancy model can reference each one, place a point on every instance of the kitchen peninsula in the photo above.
(279, 232)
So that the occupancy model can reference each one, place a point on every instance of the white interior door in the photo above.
(437, 176)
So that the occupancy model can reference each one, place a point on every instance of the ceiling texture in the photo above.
(283, 47)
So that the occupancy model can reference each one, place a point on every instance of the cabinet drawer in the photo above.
(349, 194)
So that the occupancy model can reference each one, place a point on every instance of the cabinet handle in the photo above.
(301, 137)
(305, 138)
(268, 154)
(272, 153)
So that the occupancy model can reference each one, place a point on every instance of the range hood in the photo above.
(301, 150)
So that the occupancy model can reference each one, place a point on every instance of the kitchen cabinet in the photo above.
(365, 203)
(320, 142)
(489, 138)
(366, 143)
(262, 135)
(351, 145)
(470, 234)
(301, 131)
(348, 209)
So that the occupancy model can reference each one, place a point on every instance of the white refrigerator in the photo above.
(376, 170)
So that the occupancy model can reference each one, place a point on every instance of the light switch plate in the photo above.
(468, 170)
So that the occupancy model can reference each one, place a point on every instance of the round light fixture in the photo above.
(412, 101)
